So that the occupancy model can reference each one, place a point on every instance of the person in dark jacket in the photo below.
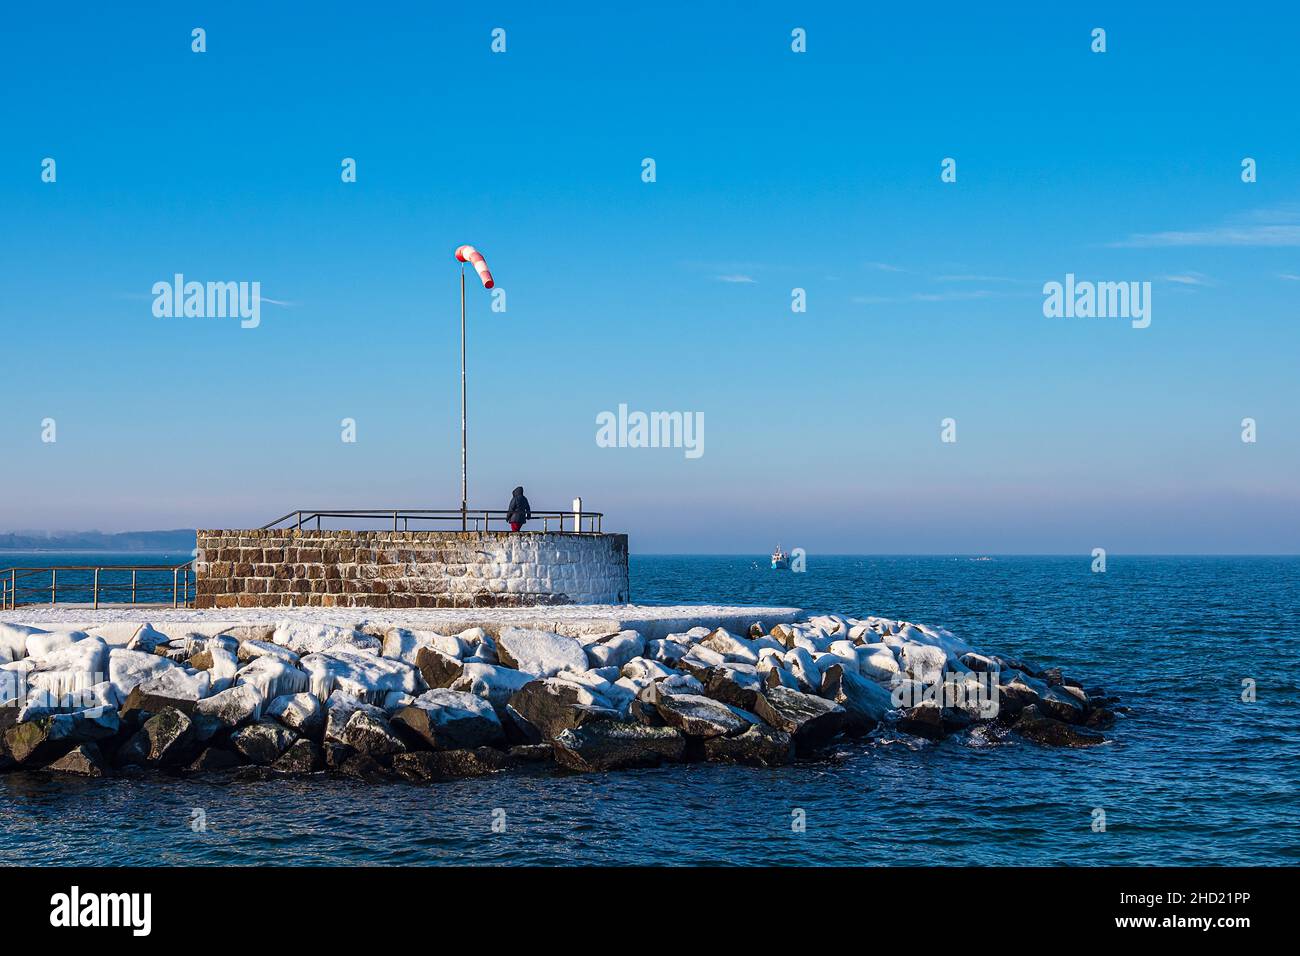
(519, 510)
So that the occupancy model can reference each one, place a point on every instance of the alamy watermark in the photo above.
(213, 300)
(1102, 300)
(626, 429)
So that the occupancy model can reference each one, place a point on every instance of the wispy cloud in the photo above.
(960, 296)
(1277, 226)
(1189, 278)
(1289, 277)
(981, 278)
(885, 267)
(735, 278)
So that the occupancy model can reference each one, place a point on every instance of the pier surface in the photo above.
(573, 620)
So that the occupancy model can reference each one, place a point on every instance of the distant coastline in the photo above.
(181, 539)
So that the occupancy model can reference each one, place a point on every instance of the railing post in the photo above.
(175, 575)
(577, 514)
(133, 587)
(95, 594)
(54, 585)
(13, 589)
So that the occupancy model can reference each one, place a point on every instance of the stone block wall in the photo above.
(397, 569)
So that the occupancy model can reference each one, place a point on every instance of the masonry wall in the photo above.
(291, 568)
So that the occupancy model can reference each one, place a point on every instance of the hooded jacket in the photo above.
(519, 510)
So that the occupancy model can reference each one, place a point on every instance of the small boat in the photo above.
(780, 560)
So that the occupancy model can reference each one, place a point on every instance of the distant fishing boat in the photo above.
(780, 560)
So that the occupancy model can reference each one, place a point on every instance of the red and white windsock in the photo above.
(471, 255)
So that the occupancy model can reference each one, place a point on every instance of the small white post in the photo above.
(577, 514)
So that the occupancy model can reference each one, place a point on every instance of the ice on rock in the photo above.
(71, 669)
(234, 706)
(922, 662)
(248, 650)
(641, 669)
(272, 678)
(405, 645)
(668, 650)
(172, 688)
(13, 641)
(127, 669)
(800, 663)
(451, 720)
(480, 646)
(362, 675)
(492, 682)
(877, 662)
(339, 710)
(301, 713)
(617, 650)
(841, 652)
(303, 638)
(147, 639)
(540, 653)
(732, 648)
(46, 643)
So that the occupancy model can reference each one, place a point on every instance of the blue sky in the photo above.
(775, 170)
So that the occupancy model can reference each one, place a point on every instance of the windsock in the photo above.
(472, 255)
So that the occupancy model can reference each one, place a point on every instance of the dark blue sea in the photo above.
(1195, 775)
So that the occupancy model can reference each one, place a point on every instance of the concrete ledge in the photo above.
(571, 620)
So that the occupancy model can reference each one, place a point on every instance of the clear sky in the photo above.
(775, 170)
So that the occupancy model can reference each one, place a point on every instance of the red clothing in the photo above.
(514, 526)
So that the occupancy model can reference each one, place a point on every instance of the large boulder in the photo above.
(544, 708)
(128, 669)
(71, 669)
(339, 710)
(13, 641)
(172, 688)
(304, 638)
(540, 653)
(731, 647)
(47, 738)
(449, 720)
(933, 722)
(372, 735)
(1037, 726)
(232, 707)
(406, 645)
(301, 713)
(83, 760)
(438, 668)
(699, 716)
(737, 684)
(273, 678)
(302, 757)
(615, 651)
(758, 746)
(44, 643)
(493, 683)
(164, 739)
(608, 745)
(877, 661)
(922, 662)
(422, 765)
(864, 701)
(810, 720)
(362, 675)
(262, 743)
(215, 758)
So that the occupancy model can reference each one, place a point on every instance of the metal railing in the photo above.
(577, 520)
(153, 584)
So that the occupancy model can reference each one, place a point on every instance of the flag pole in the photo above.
(464, 481)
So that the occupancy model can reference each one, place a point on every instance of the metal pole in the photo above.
(96, 595)
(464, 481)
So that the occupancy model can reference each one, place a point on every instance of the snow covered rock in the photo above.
(70, 669)
(922, 662)
(232, 707)
(735, 684)
(127, 669)
(617, 650)
(449, 720)
(699, 716)
(44, 643)
(799, 661)
(361, 675)
(601, 745)
(731, 647)
(250, 650)
(405, 645)
(48, 738)
(810, 720)
(304, 638)
(273, 678)
(371, 734)
(493, 683)
(542, 709)
(864, 701)
(540, 653)
(172, 688)
(304, 714)
(877, 662)
(666, 651)
(148, 639)
(639, 668)
(13, 641)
